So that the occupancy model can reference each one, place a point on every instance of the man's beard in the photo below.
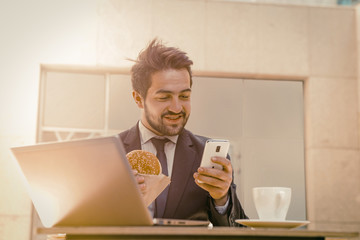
(168, 130)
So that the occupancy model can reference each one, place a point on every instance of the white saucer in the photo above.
(256, 223)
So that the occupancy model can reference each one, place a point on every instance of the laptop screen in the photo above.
(82, 183)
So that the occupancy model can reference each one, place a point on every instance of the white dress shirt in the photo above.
(147, 145)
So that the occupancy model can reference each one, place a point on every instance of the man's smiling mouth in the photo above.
(173, 117)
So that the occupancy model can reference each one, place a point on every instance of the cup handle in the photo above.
(280, 198)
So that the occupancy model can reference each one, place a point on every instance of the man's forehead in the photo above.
(173, 80)
(160, 91)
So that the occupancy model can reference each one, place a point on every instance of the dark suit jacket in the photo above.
(185, 199)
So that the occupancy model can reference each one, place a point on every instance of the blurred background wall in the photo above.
(317, 43)
(33, 32)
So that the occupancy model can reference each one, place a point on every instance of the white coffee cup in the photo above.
(272, 203)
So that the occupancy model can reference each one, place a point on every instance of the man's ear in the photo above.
(138, 99)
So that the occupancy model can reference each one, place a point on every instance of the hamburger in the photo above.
(144, 162)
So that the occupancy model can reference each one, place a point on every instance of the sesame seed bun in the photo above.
(144, 162)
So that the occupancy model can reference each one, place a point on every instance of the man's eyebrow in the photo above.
(168, 91)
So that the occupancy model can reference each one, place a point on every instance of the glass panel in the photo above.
(123, 112)
(264, 121)
(216, 104)
(273, 141)
(74, 100)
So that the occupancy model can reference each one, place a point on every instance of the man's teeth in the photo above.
(173, 118)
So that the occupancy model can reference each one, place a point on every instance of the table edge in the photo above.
(187, 231)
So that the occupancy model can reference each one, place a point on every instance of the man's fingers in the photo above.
(140, 179)
(142, 186)
(227, 167)
(215, 191)
(215, 181)
(215, 173)
(211, 181)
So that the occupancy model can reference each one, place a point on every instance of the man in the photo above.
(162, 80)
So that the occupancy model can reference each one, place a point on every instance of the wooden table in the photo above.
(188, 233)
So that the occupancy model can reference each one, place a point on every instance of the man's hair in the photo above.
(157, 57)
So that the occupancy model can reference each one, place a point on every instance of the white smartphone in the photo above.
(214, 148)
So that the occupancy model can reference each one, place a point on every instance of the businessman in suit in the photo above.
(162, 79)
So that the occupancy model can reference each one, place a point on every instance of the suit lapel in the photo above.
(131, 140)
(182, 172)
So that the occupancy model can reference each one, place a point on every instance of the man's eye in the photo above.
(163, 98)
(184, 97)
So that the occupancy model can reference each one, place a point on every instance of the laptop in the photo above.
(85, 182)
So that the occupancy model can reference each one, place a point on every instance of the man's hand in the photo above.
(216, 182)
(141, 181)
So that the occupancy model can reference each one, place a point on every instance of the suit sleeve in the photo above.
(235, 211)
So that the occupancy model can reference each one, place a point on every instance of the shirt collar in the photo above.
(146, 134)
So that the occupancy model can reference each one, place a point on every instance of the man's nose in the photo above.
(175, 106)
